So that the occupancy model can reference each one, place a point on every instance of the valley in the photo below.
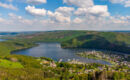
(64, 55)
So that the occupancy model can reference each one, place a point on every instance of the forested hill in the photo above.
(116, 41)
(101, 40)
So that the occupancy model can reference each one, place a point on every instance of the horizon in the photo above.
(66, 30)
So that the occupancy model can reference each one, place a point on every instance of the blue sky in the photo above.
(42, 15)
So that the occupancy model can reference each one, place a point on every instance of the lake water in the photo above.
(2, 40)
(55, 52)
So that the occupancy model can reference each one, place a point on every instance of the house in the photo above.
(52, 64)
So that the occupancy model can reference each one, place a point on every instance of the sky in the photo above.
(46, 15)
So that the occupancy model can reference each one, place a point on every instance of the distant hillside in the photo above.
(116, 41)
(123, 31)
(50, 36)
(8, 33)
(100, 40)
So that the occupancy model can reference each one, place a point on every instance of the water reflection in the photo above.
(1, 40)
(55, 52)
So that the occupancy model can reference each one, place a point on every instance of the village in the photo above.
(118, 64)
(106, 56)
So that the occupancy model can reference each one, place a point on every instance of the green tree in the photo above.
(74, 42)
(116, 76)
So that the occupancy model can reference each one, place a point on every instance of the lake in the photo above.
(1, 40)
(55, 52)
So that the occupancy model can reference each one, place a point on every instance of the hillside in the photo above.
(115, 41)
(52, 36)
(100, 40)
(7, 47)
(18, 67)
(67, 35)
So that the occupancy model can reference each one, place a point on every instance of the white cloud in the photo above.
(120, 19)
(1, 19)
(117, 1)
(61, 14)
(81, 11)
(97, 11)
(19, 19)
(126, 3)
(10, 0)
(8, 6)
(0, 14)
(77, 20)
(79, 3)
(58, 17)
(128, 18)
(67, 11)
(13, 16)
(35, 11)
(19, 23)
(36, 1)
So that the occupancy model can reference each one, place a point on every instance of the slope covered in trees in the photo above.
(32, 68)
(115, 41)
(100, 40)
(8, 46)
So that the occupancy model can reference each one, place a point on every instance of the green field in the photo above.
(9, 64)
